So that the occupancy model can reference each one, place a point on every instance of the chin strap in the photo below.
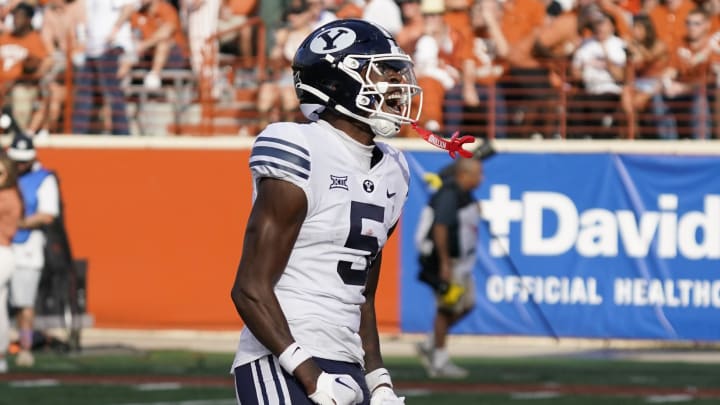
(452, 145)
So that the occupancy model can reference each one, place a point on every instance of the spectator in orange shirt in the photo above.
(233, 14)
(439, 57)
(25, 60)
(526, 83)
(344, 9)
(670, 16)
(457, 15)
(648, 59)
(481, 73)
(684, 83)
(162, 43)
(558, 40)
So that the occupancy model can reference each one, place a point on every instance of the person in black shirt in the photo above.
(446, 236)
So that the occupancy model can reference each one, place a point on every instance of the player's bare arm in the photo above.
(273, 227)
(377, 376)
(368, 321)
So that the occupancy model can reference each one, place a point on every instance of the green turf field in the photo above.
(172, 377)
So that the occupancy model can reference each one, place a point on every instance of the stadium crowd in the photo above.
(496, 68)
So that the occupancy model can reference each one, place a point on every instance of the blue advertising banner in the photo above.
(593, 245)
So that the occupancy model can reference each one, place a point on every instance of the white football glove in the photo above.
(385, 396)
(336, 389)
(381, 388)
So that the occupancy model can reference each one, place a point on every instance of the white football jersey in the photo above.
(351, 209)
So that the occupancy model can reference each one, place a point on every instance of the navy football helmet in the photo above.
(357, 69)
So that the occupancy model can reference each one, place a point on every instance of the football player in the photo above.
(326, 199)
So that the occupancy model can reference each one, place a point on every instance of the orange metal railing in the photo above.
(533, 105)
(515, 106)
(210, 70)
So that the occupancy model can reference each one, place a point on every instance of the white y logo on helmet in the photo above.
(333, 40)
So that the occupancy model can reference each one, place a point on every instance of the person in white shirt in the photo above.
(385, 13)
(599, 64)
(107, 38)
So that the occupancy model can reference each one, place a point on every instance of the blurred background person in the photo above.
(344, 9)
(6, 8)
(385, 13)
(60, 19)
(41, 203)
(556, 43)
(526, 82)
(447, 236)
(439, 57)
(599, 65)
(25, 61)
(161, 45)
(669, 16)
(320, 12)
(472, 107)
(413, 25)
(648, 58)
(10, 214)
(685, 82)
(235, 13)
(106, 38)
(622, 18)
(280, 87)
(201, 18)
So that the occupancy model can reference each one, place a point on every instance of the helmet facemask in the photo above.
(387, 87)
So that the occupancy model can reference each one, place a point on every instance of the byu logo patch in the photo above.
(333, 40)
(368, 186)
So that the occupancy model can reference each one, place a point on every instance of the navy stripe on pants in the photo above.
(264, 382)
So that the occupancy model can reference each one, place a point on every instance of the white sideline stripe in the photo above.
(535, 395)
(43, 382)
(698, 147)
(194, 402)
(662, 399)
(163, 386)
